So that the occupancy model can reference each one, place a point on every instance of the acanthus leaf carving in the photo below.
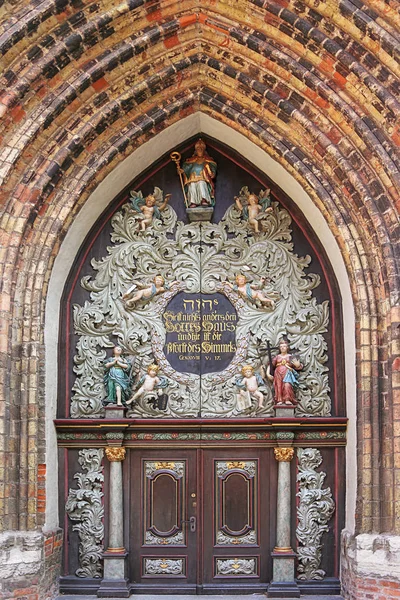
(316, 507)
(84, 505)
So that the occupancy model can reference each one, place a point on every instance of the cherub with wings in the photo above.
(253, 207)
(149, 207)
(144, 292)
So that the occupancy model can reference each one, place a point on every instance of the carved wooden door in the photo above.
(199, 521)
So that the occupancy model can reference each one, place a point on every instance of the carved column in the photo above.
(283, 583)
(114, 583)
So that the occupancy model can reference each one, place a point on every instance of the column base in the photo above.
(283, 589)
(114, 588)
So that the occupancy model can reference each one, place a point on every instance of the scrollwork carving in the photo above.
(227, 540)
(155, 540)
(84, 506)
(236, 566)
(316, 507)
(164, 566)
(249, 467)
(151, 467)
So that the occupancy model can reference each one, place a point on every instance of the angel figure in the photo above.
(252, 291)
(142, 292)
(253, 207)
(248, 386)
(149, 383)
(149, 207)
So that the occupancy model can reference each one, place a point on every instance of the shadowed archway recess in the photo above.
(315, 85)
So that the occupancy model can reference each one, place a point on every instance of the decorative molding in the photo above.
(115, 454)
(244, 540)
(249, 467)
(177, 468)
(163, 566)
(173, 540)
(236, 566)
(284, 435)
(315, 508)
(215, 436)
(283, 454)
(115, 435)
(84, 505)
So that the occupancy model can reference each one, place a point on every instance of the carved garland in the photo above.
(84, 506)
(316, 507)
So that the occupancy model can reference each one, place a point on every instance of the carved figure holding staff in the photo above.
(197, 176)
(284, 377)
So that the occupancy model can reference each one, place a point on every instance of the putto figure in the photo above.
(248, 387)
(139, 292)
(198, 174)
(252, 291)
(149, 383)
(254, 208)
(150, 207)
(117, 378)
(284, 377)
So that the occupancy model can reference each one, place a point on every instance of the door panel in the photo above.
(236, 524)
(163, 546)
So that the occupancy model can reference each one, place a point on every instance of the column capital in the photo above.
(115, 453)
(283, 454)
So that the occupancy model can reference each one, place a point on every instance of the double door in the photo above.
(200, 520)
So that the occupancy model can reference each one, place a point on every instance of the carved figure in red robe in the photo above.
(285, 377)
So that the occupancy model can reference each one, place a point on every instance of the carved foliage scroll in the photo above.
(316, 507)
(203, 261)
(84, 505)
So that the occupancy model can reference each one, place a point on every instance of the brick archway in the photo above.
(315, 89)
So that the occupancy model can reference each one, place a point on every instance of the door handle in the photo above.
(192, 523)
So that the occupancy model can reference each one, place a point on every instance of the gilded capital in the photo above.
(284, 454)
(115, 454)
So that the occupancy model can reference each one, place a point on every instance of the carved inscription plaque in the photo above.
(200, 332)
